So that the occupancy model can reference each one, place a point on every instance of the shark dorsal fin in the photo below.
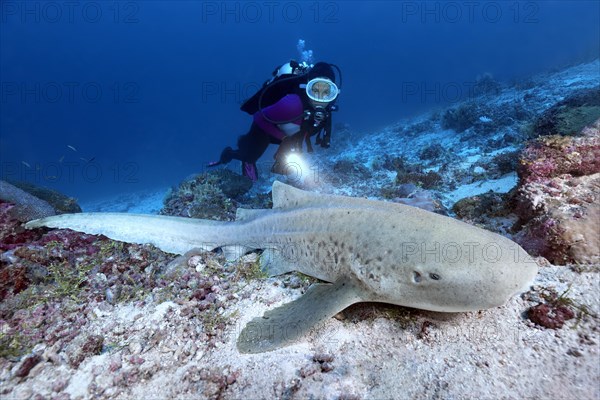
(287, 197)
(246, 214)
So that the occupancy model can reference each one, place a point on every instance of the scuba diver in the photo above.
(290, 108)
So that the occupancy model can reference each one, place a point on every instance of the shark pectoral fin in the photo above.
(180, 263)
(274, 262)
(235, 252)
(287, 323)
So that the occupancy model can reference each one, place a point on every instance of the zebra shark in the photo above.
(362, 250)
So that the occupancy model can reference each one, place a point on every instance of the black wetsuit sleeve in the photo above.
(325, 142)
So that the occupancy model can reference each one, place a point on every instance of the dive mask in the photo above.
(322, 90)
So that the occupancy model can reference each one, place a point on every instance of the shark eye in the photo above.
(416, 277)
(435, 277)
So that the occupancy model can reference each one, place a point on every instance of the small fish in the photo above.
(71, 147)
(60, 160)
(26, 164)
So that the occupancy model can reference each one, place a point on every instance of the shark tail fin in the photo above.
(171, 234)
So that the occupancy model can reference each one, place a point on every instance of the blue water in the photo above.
(107, 97)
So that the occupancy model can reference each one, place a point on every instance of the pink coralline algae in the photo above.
(558, 199)
(552, 156)
(12, 234)
(550, 316)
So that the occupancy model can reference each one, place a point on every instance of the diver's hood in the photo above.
(321, 70)
(276, 89)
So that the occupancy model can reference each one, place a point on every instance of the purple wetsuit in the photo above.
(288, 107)
(253, 144)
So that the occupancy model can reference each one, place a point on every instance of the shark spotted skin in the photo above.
(362, 250)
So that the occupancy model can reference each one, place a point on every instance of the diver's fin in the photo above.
(287, 323)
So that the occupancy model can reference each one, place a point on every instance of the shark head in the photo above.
(453, 267)
(456, 289)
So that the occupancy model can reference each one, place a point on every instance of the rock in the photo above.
(232, 184)
(59, 385)
(208, 196)
(550, 316)
(349, 167)
(569, 116)
(491, 204)
(92, 345)
(406, 190)
(553, 156)
(62, 204)
(27, 364)
(293, 282)
(27, 207)
(558, 198)
(427, 180)
(422, 199)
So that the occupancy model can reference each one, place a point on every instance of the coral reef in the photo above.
(410, 174)
(347, 168)
(51, 286)
(483, 118)
(558, 199)
(569, 116)
(504, 163)
(392, 163)
(432, 152)
(27, 207)
(427, 180)
(12, 234)
(461, 118)
(486, 85)
(62, 204)
(553, 156)
(210, 195)
(492, 211)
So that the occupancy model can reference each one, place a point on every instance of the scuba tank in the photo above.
(285, 79)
